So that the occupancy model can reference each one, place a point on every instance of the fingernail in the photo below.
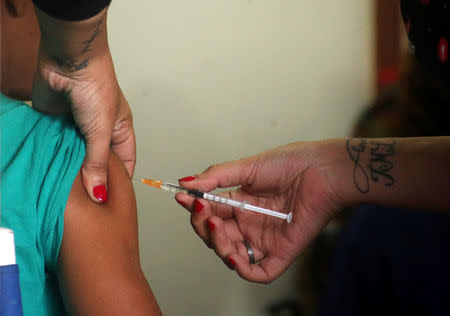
(181, 203)
(186, 179)
(211, 226)
(100, 193)
(232, 262)
(198, 207)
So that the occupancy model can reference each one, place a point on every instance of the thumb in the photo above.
(95, 168)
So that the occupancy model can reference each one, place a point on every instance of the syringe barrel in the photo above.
(221, 199)
(243, 205)
(166, 186)
(265, 211)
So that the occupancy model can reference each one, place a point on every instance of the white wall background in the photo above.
(210, 81)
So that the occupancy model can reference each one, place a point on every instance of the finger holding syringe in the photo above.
(291, 178)
(223, 228)
(225, 220)
(198, 205)
(242, 205)
(228, 204)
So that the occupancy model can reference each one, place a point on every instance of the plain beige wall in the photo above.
(210, 81)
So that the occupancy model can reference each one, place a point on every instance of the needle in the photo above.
(243, 206)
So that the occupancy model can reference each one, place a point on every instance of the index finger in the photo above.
(123, 138)
(223, 211)
(224, 175)
(123, 144)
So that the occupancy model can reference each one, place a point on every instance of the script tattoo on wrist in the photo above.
(378, 166)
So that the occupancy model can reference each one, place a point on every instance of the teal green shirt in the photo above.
(40, 157)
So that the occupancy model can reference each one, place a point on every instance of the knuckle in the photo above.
(227, 263)
(128, 161)
(122, 132)
(241, 249)
(194, 222)
(56, 81)
(220, 253)
(212, 168)
(208, 244)
(196, 226)
(97, 167)
(123, 126)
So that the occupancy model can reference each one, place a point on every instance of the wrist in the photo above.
(71, 46)
(337, 167)
(366, 170)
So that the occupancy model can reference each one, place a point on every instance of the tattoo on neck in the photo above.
(379, 165)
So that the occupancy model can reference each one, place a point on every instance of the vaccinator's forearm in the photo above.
(405, 172)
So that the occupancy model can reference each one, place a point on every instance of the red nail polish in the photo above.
(181, 203)
(232, 262)
(211, 226)
(198, 207)
(186, 179)
(100, 193)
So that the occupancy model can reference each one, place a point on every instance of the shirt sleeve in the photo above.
(72, 10)
(40, 157)
(61, 154)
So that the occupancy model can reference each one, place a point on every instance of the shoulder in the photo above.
(100, 251)
(40, 158)
(30, 133)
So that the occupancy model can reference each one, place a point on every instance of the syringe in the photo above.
(166, 186)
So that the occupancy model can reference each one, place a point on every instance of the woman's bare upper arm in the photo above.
(99, 270)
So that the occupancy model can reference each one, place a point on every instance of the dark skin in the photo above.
(99, 258)
(70, 69)
(98, 270)
(19, 48)
(314, 181)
